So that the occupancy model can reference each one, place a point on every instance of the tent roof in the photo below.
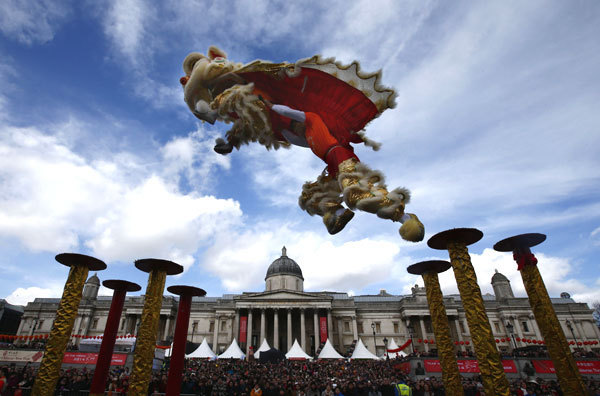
(263, 347)
(202, 352)
(296, 352)
(393, 345)
(233, 351)
(329, 352)
(361, 352)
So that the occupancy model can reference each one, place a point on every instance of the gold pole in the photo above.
(567, 372)
(146, 336)
(441, 329)
(490, 363)
(49, 371)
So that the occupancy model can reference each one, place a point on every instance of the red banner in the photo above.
(467, 366)
(585, 367)
(92, 358)
(243, 328)
(403, 367)
(323, 328)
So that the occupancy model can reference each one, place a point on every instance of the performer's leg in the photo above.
(365, 189)
(324, 198)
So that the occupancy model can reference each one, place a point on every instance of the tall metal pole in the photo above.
(146, 336)
(109, 338)
(179, 340)
(488, 357)
(49, 371)
(441, 328)
(567, 372)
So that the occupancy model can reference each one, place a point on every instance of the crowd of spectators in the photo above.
(289, 378)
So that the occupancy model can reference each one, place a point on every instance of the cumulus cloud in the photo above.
(121, 208)
(241, 259)
(33, 22)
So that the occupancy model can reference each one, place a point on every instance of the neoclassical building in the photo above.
(284, 312)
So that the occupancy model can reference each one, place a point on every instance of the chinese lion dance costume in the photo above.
(316, 103)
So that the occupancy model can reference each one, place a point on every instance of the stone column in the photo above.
(341, 335)
(167, 325)
(517, 327)
(289, 329)
(216, 335)
(330, 325)
(354, 328)
(275, 328)
(316, 318)
(236, 326)
(230, 319)
(459, 333)
(423, 334)
(302, 329)
(262, 326)
(248, 332)
(536, 328)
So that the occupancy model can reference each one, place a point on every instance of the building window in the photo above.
(94, 324)
(427, 324)
(223, 325)
(347, 327)
(123, 323)
(396, 328)
(40, 325)
(360, 327)
(497, 327)
(377, 327)
(462, 326)
(211, 328)
(525, 327)
(298, 284)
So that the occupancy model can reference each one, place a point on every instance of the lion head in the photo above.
(200, 73)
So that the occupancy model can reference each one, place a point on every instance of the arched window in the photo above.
(298, 284)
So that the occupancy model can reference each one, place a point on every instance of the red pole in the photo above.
(110, 333)
(180, 337)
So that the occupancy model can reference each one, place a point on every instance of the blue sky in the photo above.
(496, 127)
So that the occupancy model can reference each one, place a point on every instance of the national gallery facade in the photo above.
(284, 312)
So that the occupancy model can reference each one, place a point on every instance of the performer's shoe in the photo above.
(336, 223)
(222, 147)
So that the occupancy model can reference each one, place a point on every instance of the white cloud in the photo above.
(32, 22)
(21, 295)
(241, 260)
(121, 208)
(557, 273)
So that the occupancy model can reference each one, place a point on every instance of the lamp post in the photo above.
(385, 342)
(511, 330)
(374, 339)
(411, 331)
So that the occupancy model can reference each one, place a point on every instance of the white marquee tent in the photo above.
(202, 352)
(168, 351)
(263, 348)
(329, 352)
(233, 352)
(361, 352)
(297, 353)
(393, 345)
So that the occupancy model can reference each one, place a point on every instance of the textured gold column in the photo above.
(49, 371)
(567, 372)
(443, 339)
(490, 363)
(146, 337)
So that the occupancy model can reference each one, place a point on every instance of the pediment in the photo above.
(283, 295)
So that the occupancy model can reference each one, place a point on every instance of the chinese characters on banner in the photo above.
(467, 366)
(323, 328)
(243, 328)
(585, 367)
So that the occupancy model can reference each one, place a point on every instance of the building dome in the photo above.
(94, 280)
(498, 277)
(284, 266)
